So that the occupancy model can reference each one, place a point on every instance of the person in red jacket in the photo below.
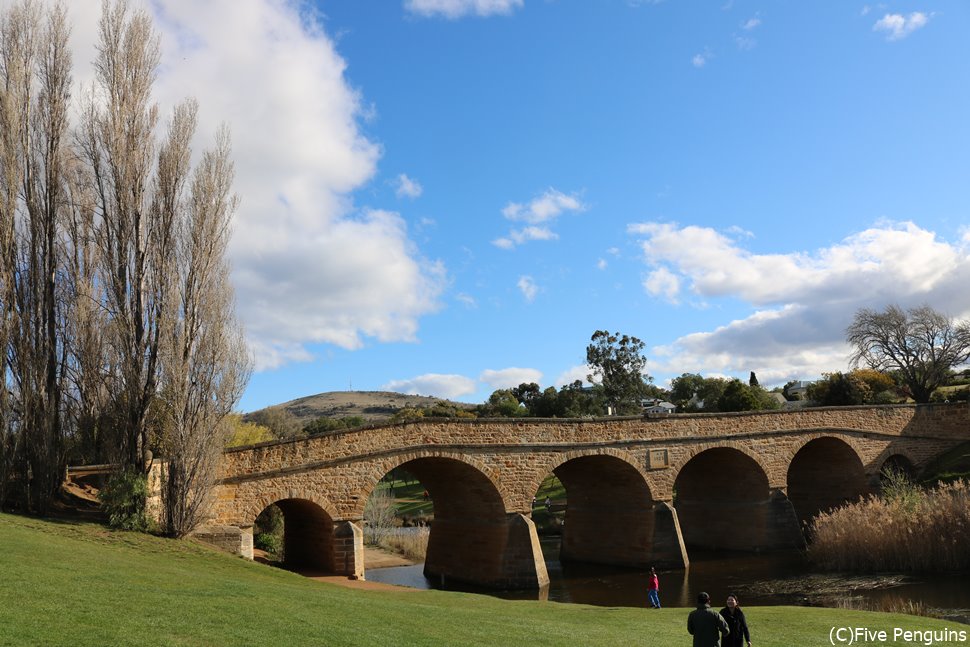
(653, 589)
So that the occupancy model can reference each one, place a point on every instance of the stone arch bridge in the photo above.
(640, 491)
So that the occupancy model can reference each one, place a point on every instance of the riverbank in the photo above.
(82, 584)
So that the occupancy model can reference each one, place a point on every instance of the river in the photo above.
(778, 578)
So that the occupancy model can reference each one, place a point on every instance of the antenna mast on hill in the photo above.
(351, 384)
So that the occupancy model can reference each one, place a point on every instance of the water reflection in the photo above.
(778, 578)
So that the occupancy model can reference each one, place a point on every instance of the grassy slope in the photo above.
(69, 584)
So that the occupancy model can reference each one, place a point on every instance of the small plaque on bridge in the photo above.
(657, 459)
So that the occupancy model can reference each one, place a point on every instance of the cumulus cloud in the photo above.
(299, 245)
(801, 302)
(699, 60)
(511, 377)
(663, 282)
(538, 214)
(897, 26)
(528, 288)
(407, 188)
(453, 9)
(434, 384)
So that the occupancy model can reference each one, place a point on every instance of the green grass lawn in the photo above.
(80, 584)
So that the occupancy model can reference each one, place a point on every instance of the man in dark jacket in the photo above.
(705, 624)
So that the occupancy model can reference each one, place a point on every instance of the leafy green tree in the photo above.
(839, 390)
(527, 391)
(575, 401)
(617, 364)
(546, 404)
(877, 381)
(502, 404)
(246, 433)
(683, 389)
(738, 396)
(921, 343)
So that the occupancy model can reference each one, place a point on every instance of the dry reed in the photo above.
(411, 545)
(909, 529)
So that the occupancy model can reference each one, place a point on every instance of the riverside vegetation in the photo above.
(82, 584)
(908, 529)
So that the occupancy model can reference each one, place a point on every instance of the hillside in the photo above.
(373, 406)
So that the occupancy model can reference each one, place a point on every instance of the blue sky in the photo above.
(449, 196)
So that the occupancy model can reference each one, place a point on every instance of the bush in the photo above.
(269, 542)
(268, 531)
(123, 499)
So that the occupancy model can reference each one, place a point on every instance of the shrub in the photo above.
(268, 531)
(269, 542)
(123, 499)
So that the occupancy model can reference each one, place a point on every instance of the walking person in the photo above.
(705, 624)
(734, 617)
(653, 589)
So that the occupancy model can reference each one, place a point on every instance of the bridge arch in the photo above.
(472, 537)
(897, 459)
(264, 497)
(723, 500)
(610, 516)
(468, 467)
(308, 534)
(825, 472)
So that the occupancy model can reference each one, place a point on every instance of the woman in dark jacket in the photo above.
(734, 617)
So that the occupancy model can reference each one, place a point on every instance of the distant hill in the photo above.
(373, 406)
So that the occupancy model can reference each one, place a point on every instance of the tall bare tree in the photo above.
(135, 235)
(204, 359)
(36, 75)
(117, 323)
(920, 343)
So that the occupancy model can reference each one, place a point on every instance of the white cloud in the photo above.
(408, 188)
(299, 246)
(699, 60)
(541, 210)
(898, 26)
(520, 236)
(801, 302)
(468, 300)
(751, 23)
(511, 377)
(453, 9)
(886, 260)
(663, 282)
(528, 288)
(601, 264)
(434, 384)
